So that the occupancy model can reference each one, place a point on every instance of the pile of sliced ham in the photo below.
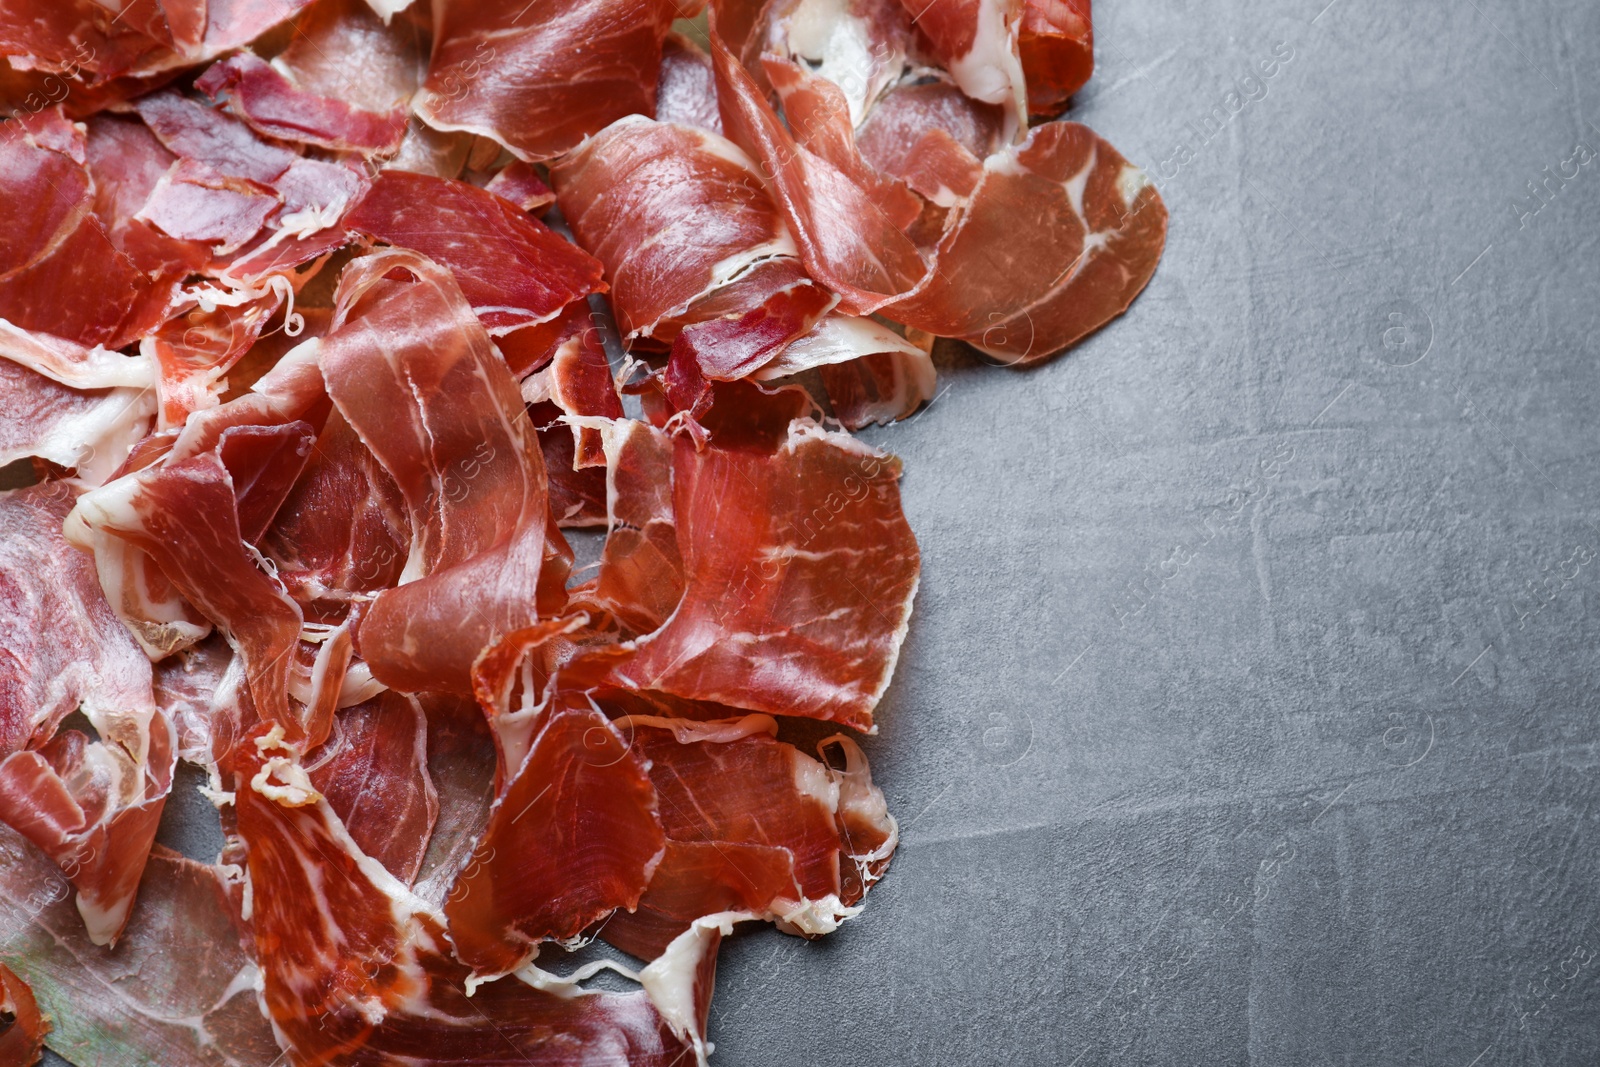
(324, 324)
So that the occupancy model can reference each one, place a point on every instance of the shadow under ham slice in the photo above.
(413, 372)
(572, 837)
(373, 972)
(92, 806)
(373, 771)
(513, 269)
(178, 989)
(542, 76)
(64, 647)
(22, 1027)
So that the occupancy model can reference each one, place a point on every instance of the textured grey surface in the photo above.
(1248, 713)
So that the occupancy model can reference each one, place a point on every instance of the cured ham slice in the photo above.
(413, 372)
(178, 989)
(977, 42)
(801, 570)
(22, 1027)
(511, 71)
(373, 771)
(1097, 228)
(641, 575)
(1094, 231)
(819, 115)
(375, 974)
(203, 693)
(195, 351)
(343, 529)
(520, 183)
(753, 826)
(687, 233)
(345, 50)
(87, 430)
(1056, 45)
(686, 92)
(92, 806)
(210, 565)
(512, 269)
(928, 133)
(573, 837)
(273, 105)
(871, 373)
(60, 272)
(858, 46)
(64, 647)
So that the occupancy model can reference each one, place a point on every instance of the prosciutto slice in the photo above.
(573, 837)
(178, 989)
(1056, 46)
(540, 77)
(512, 269)
(273, 105)
(92, 806)
(753, 826)
(977, 41)
(801, 571)
(64, 649)
(414, 373)
(871, 373)
(1084, 227)
(373, 771)
(690, 239)
(374, 973)
(210, 565)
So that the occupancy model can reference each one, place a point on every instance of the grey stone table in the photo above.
(1248, 714)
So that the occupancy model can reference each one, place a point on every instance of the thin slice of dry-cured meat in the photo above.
(414, 373)
(375, 974)
(677, 215)
(540, 77)
(178, 989)
(373, 771)
(573, 837)
(64, 648)
(513, 269)
(271, 104)
(1056, 45)
(801, 571)
(92, 806)
(755, 826)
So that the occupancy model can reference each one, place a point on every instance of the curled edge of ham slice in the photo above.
(872, 374)
(93, 807)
